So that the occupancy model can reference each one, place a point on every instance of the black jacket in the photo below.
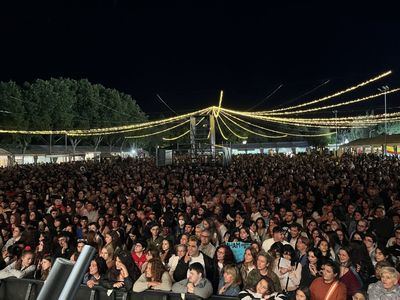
(180, 272)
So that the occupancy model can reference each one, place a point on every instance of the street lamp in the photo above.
(384, 89)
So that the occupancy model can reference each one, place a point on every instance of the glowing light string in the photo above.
(331, 96)
(276, 131)
(183, 134)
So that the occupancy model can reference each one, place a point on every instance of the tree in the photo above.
(64, 104)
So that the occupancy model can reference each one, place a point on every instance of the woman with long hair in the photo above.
(44, 268)
(348, 273)
(112, 241)
(151, 253)
(261, 229)
(223, 256)
(326, 250)
(229, 285)
(249, 262)
(155, 277)
(97, 270)
(108, 255)
(103, 227)
(288, 270)
(166, 251)
(122, 275)
(303, 293)
(312, 269)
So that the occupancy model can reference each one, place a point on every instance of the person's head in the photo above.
(224, 255)
(381, 254)
(344, 256)
(362, 225)
(277, 234)
(244, 234)
(289, 253)
(155, 230)
(250, 256)
(27, 258)
(312, 224)
(330, 271)
(63, 241)
(389, 277)
(369, 240)
(262, 287)
(154, 270)
(198, 230)
(323, 245)
(107, 253)
(98, 266)
(205, 237)
(302, 244)
(359, 296)
(295, 230)
(17, 232)
(184, 239)
(140, 246)
(231, 275)
(313, 255)
(123, 258)
(196, 273)
(379, 266)
(303, 293)
(46, 263)
(260, 223)
(276, 249)
(152, 253)
(180, 250)
(80, 245)
(289, 216)
(379, 212)
(263, 261)
(193, 246)
(189, 228)
(166, 245)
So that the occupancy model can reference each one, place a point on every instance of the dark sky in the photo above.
(187, 52)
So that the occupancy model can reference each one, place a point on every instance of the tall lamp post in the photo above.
(384, 89)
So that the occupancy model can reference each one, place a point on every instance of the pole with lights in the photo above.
(336, 139)
(384, 89)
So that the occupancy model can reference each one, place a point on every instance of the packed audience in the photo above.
(311, 226)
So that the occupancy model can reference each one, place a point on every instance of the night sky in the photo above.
(187, 52)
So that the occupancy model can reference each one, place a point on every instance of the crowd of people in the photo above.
(316, 227)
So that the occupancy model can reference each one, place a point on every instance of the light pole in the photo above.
(335, 112)
(385, 89)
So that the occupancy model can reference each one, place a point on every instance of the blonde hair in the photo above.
(234, 272)
(391, 271)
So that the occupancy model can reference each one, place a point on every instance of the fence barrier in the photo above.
(29, 289)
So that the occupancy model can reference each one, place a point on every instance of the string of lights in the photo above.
(292, 121)
(277, 131)
(220, 130)
(330, 96)
(183, 134)
(335, 105)
(230, 129)
(157, 132)
(256, 133)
